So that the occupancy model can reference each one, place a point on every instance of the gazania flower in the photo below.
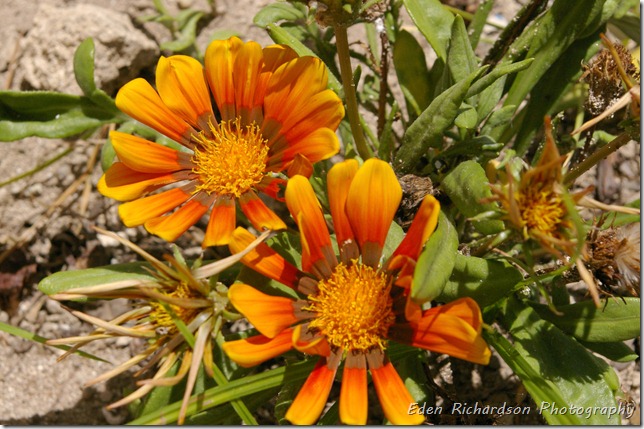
(350, 305)
(178, 313)
(272, 112)
(535, 207)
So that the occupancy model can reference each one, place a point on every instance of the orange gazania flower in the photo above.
(351, 305)
(272, 112)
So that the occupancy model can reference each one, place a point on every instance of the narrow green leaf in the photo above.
(496, 74)
(484, 280)
(281, 35)
(615, 351)
(615, 319)
(557, 371)
(479, 21)
(67, 124)
(411, 69)
(434, 21)
(186, 36)
(84, 66)
(461, 60)
(498, 118)
(427, 130)
(466, 186)
(435, 264)
(275, 12)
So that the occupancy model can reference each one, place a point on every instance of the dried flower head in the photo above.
(177, 312)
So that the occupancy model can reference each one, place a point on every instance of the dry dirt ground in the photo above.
(46, 218)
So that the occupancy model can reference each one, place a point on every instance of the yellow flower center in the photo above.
(160, 316)
(354, 308)
(232, 160)
(542, 209)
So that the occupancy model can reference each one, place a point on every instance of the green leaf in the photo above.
(411, 69)
(629, 25)
(614, 320)
(479, 21)
(466, 186)
(484, 280)
(467, 118)
(498, 118)
(615, 351)
(427, 130)
(65, 280)
(84, 66)
(461, 60)
(186, 36)
(275, 12)
(497, 73)
(434, 21)
(436, 262)
(395, 236)
(281, 35)
(556, 371)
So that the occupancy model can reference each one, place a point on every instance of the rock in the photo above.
(46, 63)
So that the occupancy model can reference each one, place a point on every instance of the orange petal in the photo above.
(263, 259)
(139, 100)
(301, 165)
(338, 182)
(320, 144)
(123, 184)
(147, 157)
(353, 395)
(310, 401)
(182, 87)
(394, 397)
(272, 186)
(139, 211)
(274, 56)
(305, 209)
(170, 227)
(258, 214)
(269, 314)
(372, 202)
(311, 345)
(246, 69)
(219, 62)
(421, 228)
(221, 223)
(255, 350)
(453, 329)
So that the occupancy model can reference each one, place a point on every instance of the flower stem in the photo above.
(342, 43)
(593, 159)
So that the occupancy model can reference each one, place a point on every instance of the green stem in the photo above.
(342, 43)
(593, 159)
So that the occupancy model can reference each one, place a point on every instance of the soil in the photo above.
(46, 218)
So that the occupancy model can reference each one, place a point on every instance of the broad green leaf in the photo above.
(436, 262)
(65, 280)
(461, 60)
(615, 351)
(434, 21)
(84, 66)
(498, 118)
(614, 320)
(395, 236)
(281, 35)
(411, 69)
(557, 372)
(467, 118)
(484, 280)
(275, 12)
(233, 390)
(629, 25)
(186, 36)
(466, 186)
(427, 130)
(36, 105)
(70, 123)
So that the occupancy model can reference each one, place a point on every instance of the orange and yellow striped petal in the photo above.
(269, 314)
(219, 62)
(255, 350)
(147, 157)
(301, 165)
(259, 214)
(171, 227)
(123, 184)
(372, 202)
(139, 100)
(246, 70)
(311, 346)
(320, 144)
(353, 395)
(394, 397)
(139, 211)
(263, 259)
(305, 209)
(221, 223)
(182, 86)
(310, 401)
(421, 228)
(338, 182)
